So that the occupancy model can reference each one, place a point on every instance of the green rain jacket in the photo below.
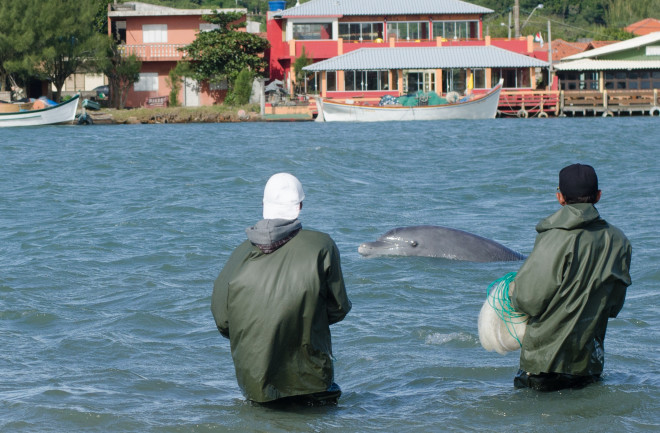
(572, 282)
(276, 310)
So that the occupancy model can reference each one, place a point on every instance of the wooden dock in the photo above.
(610, 103)
(579, 103)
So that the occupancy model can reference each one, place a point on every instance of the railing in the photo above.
(528, 103)
(147, 52)
(610, 102)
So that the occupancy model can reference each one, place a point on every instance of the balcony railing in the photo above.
(152, 52)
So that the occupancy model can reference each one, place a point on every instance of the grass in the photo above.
(205, 114)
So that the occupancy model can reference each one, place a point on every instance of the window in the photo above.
(454, 80)
(360, 31)
(313, 83)
(415, 81)
(513, 78)
(615, 80)
(456, 29)
(148, 82)
(653, 50)
(331, 81)
(154, 33)
(633, 80)
(207, 27)
(403, 30)
(479, 78)
(395, 80)
(587, 80)
(220, 84)
(312, 31)
(365, 80)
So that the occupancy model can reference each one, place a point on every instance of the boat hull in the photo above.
(62, 113)
(484, 107)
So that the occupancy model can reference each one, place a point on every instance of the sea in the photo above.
(111, 237)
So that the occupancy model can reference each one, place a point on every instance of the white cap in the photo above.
(282, 197)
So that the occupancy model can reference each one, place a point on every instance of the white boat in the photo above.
(61, 113)
(479, 107)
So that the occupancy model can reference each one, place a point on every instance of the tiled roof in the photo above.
(606, 65)
(618, 46)
(316, 8)
(644, 27)
(561, 48)
(598, 44)
(427, 58)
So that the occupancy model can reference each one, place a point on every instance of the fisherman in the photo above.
(572, 282)
(275, 300)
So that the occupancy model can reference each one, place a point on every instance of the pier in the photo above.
(579, 103)
(609, 103)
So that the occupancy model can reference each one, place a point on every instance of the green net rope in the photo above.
(501, 303)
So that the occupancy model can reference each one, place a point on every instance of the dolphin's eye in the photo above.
(413, 244)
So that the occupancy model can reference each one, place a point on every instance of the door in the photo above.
(422, 80)
(191, 93)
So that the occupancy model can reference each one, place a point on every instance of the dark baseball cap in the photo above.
(578, 180)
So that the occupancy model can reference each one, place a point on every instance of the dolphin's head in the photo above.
(392, 243)
(438, 242)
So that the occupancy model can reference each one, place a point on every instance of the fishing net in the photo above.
(421, 98)
(501, 327)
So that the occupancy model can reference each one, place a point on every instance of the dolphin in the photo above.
(437, 241)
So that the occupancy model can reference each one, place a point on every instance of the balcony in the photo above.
(323, 49)
(154, 52)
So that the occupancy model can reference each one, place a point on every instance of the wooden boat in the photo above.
(61, 113)
(480, 107)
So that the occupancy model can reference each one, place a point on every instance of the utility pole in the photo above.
(549, 57)
(516, 17)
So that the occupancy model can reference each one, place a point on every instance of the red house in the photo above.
(330, 30)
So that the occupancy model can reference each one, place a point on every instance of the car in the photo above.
(102, 91)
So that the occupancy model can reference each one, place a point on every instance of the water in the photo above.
(111, 237)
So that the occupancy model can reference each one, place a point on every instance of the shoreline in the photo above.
(205, 114)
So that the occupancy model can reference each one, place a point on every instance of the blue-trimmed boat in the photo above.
(61, 113)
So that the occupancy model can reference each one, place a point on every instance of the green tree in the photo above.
(57, 38)
(174, 82)
(122, 72)
(242, 88)
(300, 74)
(570, 19)
(16, 39)
(224, 52)
(622, 13)
(101, 17)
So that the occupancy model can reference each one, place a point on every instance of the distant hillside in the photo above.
(571, 20)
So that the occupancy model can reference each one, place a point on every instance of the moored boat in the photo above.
(478, 107)
(61, 113)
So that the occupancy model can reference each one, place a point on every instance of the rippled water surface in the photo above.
(111, 237)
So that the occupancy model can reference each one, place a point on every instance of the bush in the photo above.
(242, 88)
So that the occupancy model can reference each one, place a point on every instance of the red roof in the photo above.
(561, 48)
(644, 27)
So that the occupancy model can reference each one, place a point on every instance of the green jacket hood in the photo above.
(569, 217)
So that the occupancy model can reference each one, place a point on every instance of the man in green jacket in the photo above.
(275, 300)
(572, 282)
